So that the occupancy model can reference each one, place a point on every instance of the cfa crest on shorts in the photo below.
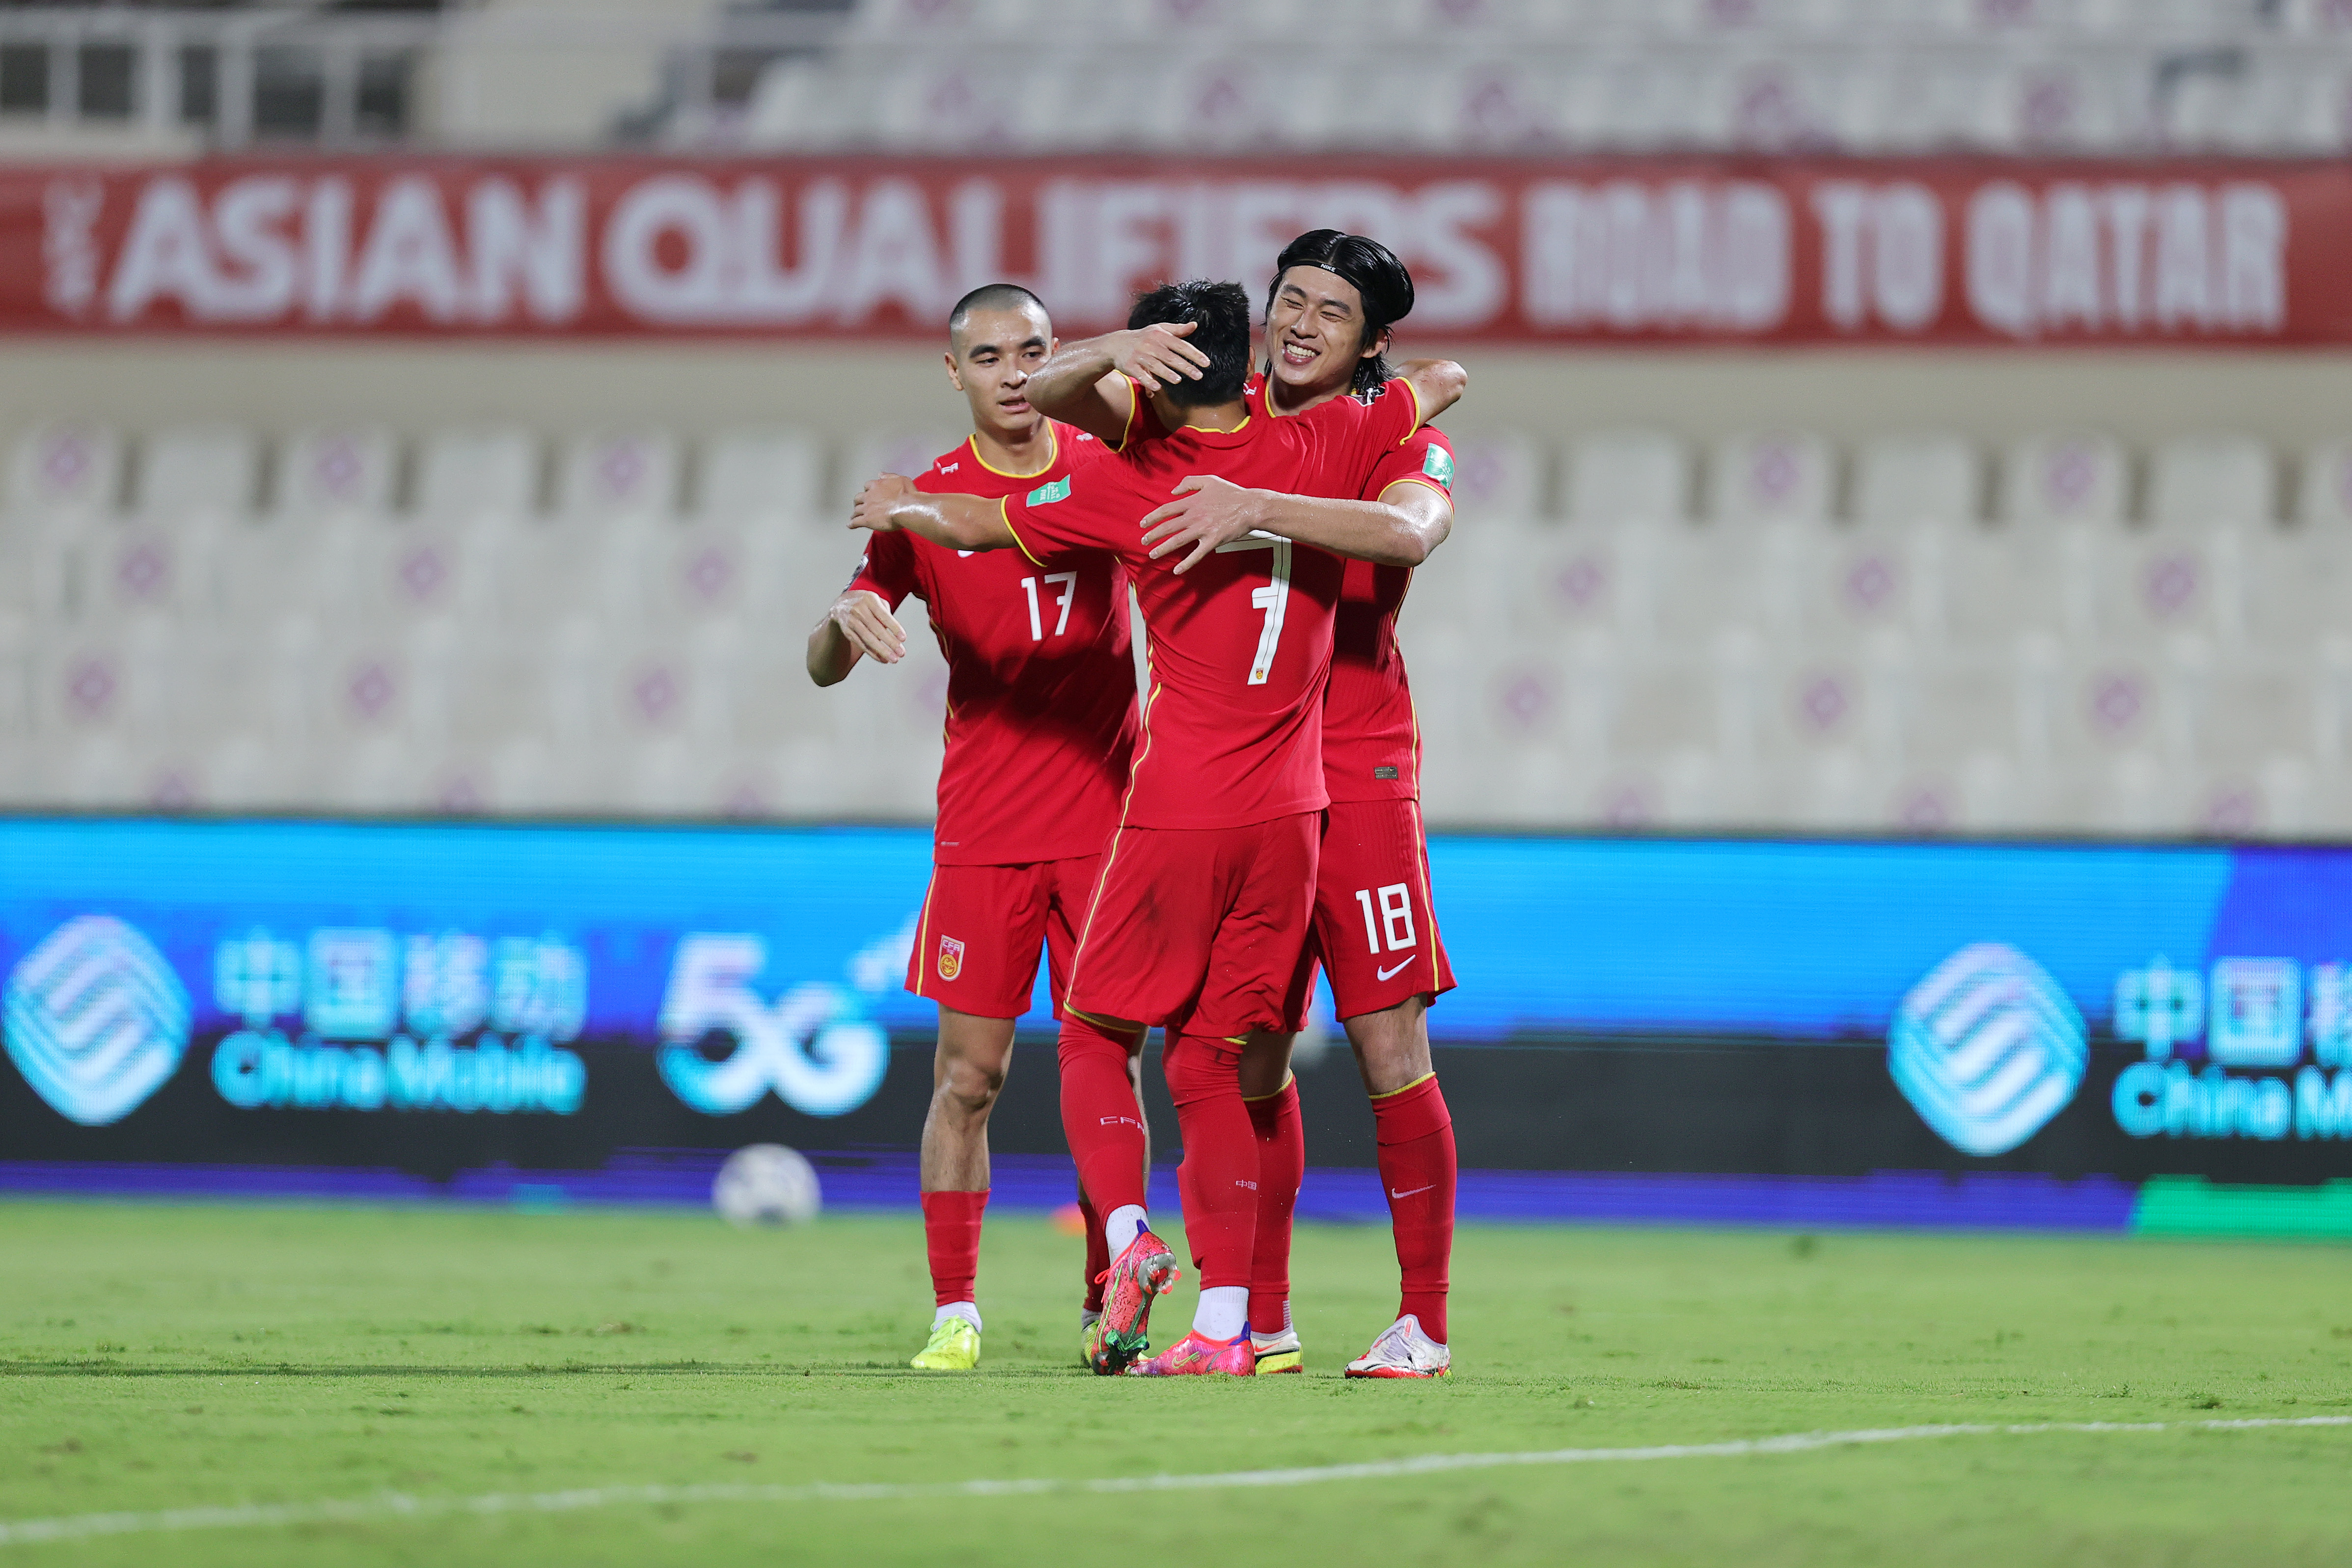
(950, 958)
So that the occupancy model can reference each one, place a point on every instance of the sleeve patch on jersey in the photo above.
(1438, 465)
(1045, 495)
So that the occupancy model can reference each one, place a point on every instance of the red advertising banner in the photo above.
(1951, 252)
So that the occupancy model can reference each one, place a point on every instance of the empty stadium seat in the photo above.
(2062, 478)
(618, 474)
(2211, 479)
(1914, 478)
(2171, 580)
(335, 470)
(2323, 498)
(752, 475)
(1619, 475)
(197, 469)
(1497, 474)
(141, 568)
(471, 473)
(1782, 474)
(1877, 578)
(72, 466)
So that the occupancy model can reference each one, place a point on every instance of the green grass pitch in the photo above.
(164, 1356)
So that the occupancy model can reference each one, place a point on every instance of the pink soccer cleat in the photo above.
(1145, 1268)
(1192, 1356)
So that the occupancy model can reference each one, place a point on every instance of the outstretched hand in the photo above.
(874, 504)
(1207, 512)
(1157, 356)
(869, 625)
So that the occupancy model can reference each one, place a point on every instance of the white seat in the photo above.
(1616, 475)
(144, 568)
(1497, 475)
(904, 451)
(336, 470)
(749, 474)
(1778, 475)
(1484, 103)
(618, 474)
(2246, 711)
(2109, 703)
(1831, 698)
(806, 102)
(1552, 582)
(2295, 587)
(2173, 579)
(916, 24)
(962, 100)
(2323, 499)
(1913, 478)
(2061, 478)
(423, 569)
(70, 466)
(125, 679)
(2212, 479)
(207, 469)
(1878, 578)
(255, 677)
(1959, 704)
(467, 473)
(2063, 103)
(1232, 101)
(390, 683)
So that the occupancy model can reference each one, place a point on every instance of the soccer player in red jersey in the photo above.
(1206, 890)
(1329, 314)
(1041, 725)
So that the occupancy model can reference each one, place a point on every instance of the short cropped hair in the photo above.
(991, 297)
(1381, 280)
(1220, 312)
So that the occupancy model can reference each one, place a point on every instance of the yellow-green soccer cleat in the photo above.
(1278, 1353)
(954, 1347)
(1090, 1334)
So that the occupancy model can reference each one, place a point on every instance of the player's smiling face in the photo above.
(990, 363)
(1314, 334)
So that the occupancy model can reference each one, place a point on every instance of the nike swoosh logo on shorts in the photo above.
(1400, 969)
(1394, 1194)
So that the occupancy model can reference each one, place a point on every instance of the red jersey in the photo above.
(1371, 742)
(1041, 721)
(1240, 646)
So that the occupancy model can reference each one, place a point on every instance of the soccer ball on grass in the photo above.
(766, 1184)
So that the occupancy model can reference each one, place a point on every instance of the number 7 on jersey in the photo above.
(1274, 599)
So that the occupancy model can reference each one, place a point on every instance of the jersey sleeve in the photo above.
(1426, 458)
(888, 568)
(1142, 423)
(1080, 511)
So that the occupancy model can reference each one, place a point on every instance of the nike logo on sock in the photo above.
(1394, 1194)
(1384, 973)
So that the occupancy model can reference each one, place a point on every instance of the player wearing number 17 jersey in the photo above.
(1206, 890)
(1041, 722)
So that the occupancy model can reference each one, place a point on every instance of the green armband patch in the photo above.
(1059, 490)
(1438, 465)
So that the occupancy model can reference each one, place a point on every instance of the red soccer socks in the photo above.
(1281, 1165)
(951, 1236)
(1101, 1119)
(1219, 1177)
(1097, 1252)
(1416, 1136)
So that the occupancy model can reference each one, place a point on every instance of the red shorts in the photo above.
(1199, 929)
(976, 944)
(1375, 927)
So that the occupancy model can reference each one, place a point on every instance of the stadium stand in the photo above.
(1880, 657)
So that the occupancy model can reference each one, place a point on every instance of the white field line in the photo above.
(398, 1506)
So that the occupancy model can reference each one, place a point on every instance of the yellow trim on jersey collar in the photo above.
(1210, 430)
(1054, 456)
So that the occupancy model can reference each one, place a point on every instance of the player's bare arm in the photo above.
(892, 504)
(1401, 528)
(857, 625)
(1087, 383)
(1439, 384)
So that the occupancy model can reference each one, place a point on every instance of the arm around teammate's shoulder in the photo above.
(892, 504)
(1091, 383)
(1437, 384)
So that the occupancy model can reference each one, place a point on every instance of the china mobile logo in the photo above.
(810, 1046)
(1988, 1049)
(2246, 1014)
(95, 1019)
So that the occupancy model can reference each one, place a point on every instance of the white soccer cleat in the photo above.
(1403, 1350)
(1277, 1352)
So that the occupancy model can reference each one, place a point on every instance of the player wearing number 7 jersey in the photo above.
(1041, 724)
(1207, 890)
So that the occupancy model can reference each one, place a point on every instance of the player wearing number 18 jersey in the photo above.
(1206, 889)
(1041, 724)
